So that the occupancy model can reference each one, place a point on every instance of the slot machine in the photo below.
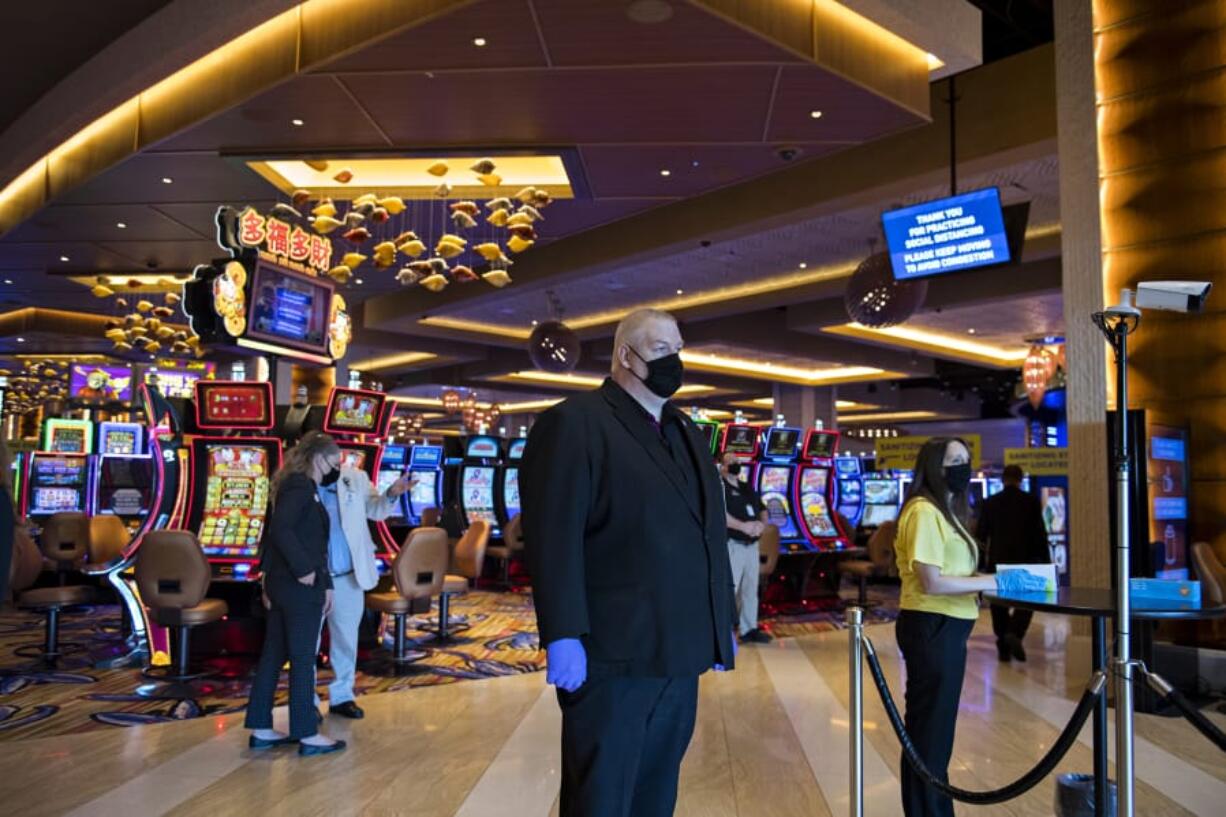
(393, 462)
(55, 482)
(123, 474)
(478, 481)
(741, 440)
(882, 499)
(508, 493)
(426, 467)
(850, 487)
(710, 432)
(815, 490)
(230, 468)
(774, 481)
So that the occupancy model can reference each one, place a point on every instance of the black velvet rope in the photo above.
(984, 798)
(1203, 725)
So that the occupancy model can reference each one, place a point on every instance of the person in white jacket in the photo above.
(351, 500)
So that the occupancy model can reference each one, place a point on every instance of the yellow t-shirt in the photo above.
(924, 535)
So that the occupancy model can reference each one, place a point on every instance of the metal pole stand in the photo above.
(855, 633)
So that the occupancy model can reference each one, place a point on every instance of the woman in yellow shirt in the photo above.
(937, 559)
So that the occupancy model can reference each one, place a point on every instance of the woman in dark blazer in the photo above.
(297, 593)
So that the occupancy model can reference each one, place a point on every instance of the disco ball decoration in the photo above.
(874, 298)
(451, 401)
(554, 347)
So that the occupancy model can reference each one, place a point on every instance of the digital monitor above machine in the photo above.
(740, 439)
(230, 404)
(426, 456)
(961, 232)
(782, 442)
(820, 445)
(482, 448)
(847, 466)
(290, 308)
(354, 411)
(120, 438)
(516, 449)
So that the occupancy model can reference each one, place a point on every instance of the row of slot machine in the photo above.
(813, 496)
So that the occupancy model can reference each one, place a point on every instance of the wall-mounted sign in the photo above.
(900, 452)
(92, 383)
(1039, 462)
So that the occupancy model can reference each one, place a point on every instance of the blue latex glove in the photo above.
(721, 667)
(1019, 581)
(566, 664)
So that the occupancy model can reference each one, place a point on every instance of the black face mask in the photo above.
(664, 374)
(733, 469)
(330, 477)
(958, 477)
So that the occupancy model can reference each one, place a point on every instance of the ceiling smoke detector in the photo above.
(650, 12)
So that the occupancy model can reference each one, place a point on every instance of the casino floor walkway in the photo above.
(771, 740)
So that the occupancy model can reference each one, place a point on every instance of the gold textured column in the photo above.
(1161, 74)
(1080, 245)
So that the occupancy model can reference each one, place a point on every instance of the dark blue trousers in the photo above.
(292, 634)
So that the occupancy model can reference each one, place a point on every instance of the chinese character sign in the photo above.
(283, 242)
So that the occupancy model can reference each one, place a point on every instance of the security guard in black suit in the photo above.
(624, 532)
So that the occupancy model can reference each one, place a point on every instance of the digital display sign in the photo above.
(289, 308)
(516, 451)
(57, 484)
(352, 411)
(224, 404)
(478, 497)
(1167, 484)
(120, 438)
(819, 446)
(781, 442)
(92, 383)
(426, 456)
(482, 448)
(741, 440)
(178, 379)
(961, 232)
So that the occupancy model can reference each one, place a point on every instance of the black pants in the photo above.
(1006, 622)
(622, 744)
(292, 632)
(934, 647)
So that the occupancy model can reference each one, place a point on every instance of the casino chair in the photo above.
(430, 517)
(879, 562)
(467, 561)
(512, 543)
(418, 572)
(64, 542)
(106, 537)
(173, 575)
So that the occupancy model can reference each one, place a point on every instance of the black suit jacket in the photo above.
(296, 542)
(1011, 529)
(621, 556)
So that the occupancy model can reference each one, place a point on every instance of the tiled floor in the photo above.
(771, 741)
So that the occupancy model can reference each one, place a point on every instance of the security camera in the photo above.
(1173, 296)
(788, 154)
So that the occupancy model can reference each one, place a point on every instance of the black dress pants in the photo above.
(622, 744)
(1010, 622)
(292, 633)
(934, 648)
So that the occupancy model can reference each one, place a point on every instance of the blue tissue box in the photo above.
(1166, 589)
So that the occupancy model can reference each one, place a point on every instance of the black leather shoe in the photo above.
(758, 636)
(1016, 648)
(262, 743)
(348, 709)
(1002, 650)
(308, 750)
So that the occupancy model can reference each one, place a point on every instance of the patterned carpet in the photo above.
(36, 701)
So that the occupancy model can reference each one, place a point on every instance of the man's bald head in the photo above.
(642, 330)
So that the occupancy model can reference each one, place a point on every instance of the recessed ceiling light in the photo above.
(21, 340)
(536, 323)
(479, 42)
(167, 180)
(64, 258)
(970, 331)
(694, 163)
(121, 225)
(815, 114)
(357, 281)
(666, 173)
(803, 265)
(297, 123)
(8, 280)
(681, 292)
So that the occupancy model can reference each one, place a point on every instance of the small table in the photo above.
(1099, 605)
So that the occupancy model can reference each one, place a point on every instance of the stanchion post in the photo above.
(855, 634)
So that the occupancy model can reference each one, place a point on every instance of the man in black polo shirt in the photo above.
(746, 519)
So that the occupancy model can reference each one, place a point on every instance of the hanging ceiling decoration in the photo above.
(439, 243)
(874, 298)
(553, 346)
(1038, 370)
(143, 326)
(36, 382)
(451, 401)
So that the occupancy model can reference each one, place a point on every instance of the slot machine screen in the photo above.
(69, 436)
(819, 446)
(125, 485)
(741, 440)
(351, 411)
(781, 442)
(57, 484)
(236, 500)
(233, 405)
(391, 466)
(510, 492)
(516, 451)
(847, 466)
(425, 492)
(479, 495)
(813, 485)
(881, 492)
(482, 448)
(876, 515)
(773, 483)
